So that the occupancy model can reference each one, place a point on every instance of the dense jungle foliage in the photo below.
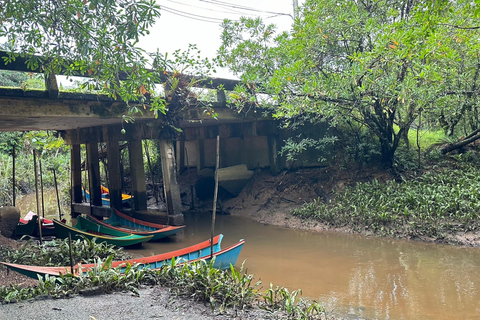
(372, 69)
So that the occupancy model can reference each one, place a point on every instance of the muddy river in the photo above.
(372, 278)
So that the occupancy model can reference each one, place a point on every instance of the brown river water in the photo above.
(372, 278)
(369, 277)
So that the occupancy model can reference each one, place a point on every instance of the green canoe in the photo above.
(92, 230)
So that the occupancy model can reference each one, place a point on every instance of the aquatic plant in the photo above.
(280, 298)
(443, 200)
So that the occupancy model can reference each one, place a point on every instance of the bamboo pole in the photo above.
(36, 196)
(87, 167)
(13, 176)
(58, 198)
(41, 188)
(215, 195)
(147, 153)
(70, 251)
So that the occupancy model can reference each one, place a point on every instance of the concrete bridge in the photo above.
(90, 119)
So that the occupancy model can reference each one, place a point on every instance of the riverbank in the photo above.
(180, 292)
(151, 303)
(271, 200)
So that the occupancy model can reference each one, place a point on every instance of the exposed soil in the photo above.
(13, 278)
(270, 199)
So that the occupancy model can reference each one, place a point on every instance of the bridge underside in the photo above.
(88, 119)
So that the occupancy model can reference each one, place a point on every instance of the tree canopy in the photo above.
(89, 37)
(377, 64)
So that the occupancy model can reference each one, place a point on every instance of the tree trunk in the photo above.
(387, 155)
(457, 145)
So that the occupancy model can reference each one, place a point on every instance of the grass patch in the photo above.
(427, 138)
(442, 201)
(56, 252)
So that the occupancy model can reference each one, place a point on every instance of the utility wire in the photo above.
(230, 11)
(235, 6)
(192, 16)
(233, 9)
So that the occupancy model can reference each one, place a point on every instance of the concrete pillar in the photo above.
(180, 156)
(221, 98)
(137, 174)
(200, 154)
(76, 171)
(51, 85)
(115, 186)
(223, 153)
(94, 174)
(273, 156)
(170, 185)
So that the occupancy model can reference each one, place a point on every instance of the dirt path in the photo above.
(153, 303)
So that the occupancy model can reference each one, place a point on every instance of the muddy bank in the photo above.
(270, 199)
(152, 303)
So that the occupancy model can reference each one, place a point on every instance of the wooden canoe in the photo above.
(91, 230)
(106, 196)
(126, 223)
(223, 259)
(26, 227)
(48, 229)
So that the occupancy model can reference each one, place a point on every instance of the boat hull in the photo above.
(201, 251)
(105, 200)
(26, 228)
(91, 230)
(126, 223)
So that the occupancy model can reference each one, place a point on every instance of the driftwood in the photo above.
(475, 135)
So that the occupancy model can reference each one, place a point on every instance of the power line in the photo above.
(191, 15)
(232, 9)
(235, 6)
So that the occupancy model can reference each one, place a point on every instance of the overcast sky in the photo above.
(198, 22)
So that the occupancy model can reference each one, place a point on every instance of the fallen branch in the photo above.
(457, 145)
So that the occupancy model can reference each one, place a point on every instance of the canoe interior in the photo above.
(223, 258)
(62, 231)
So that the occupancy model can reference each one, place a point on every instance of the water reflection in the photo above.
(366, 276)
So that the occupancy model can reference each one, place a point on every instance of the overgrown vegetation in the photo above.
(443, 200)
(384, 66)
(51, 153)
(56, 252)
(222, 290)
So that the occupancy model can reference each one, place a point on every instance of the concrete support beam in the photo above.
(223, 153)
(180, 156)
(273, 156)
(113, 165)
(85, 208)
(200, 154)
(137, 174)
(76, 171)
(51, 85)
(170, 185)
(94, 174)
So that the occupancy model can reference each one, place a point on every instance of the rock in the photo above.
(9, 217)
